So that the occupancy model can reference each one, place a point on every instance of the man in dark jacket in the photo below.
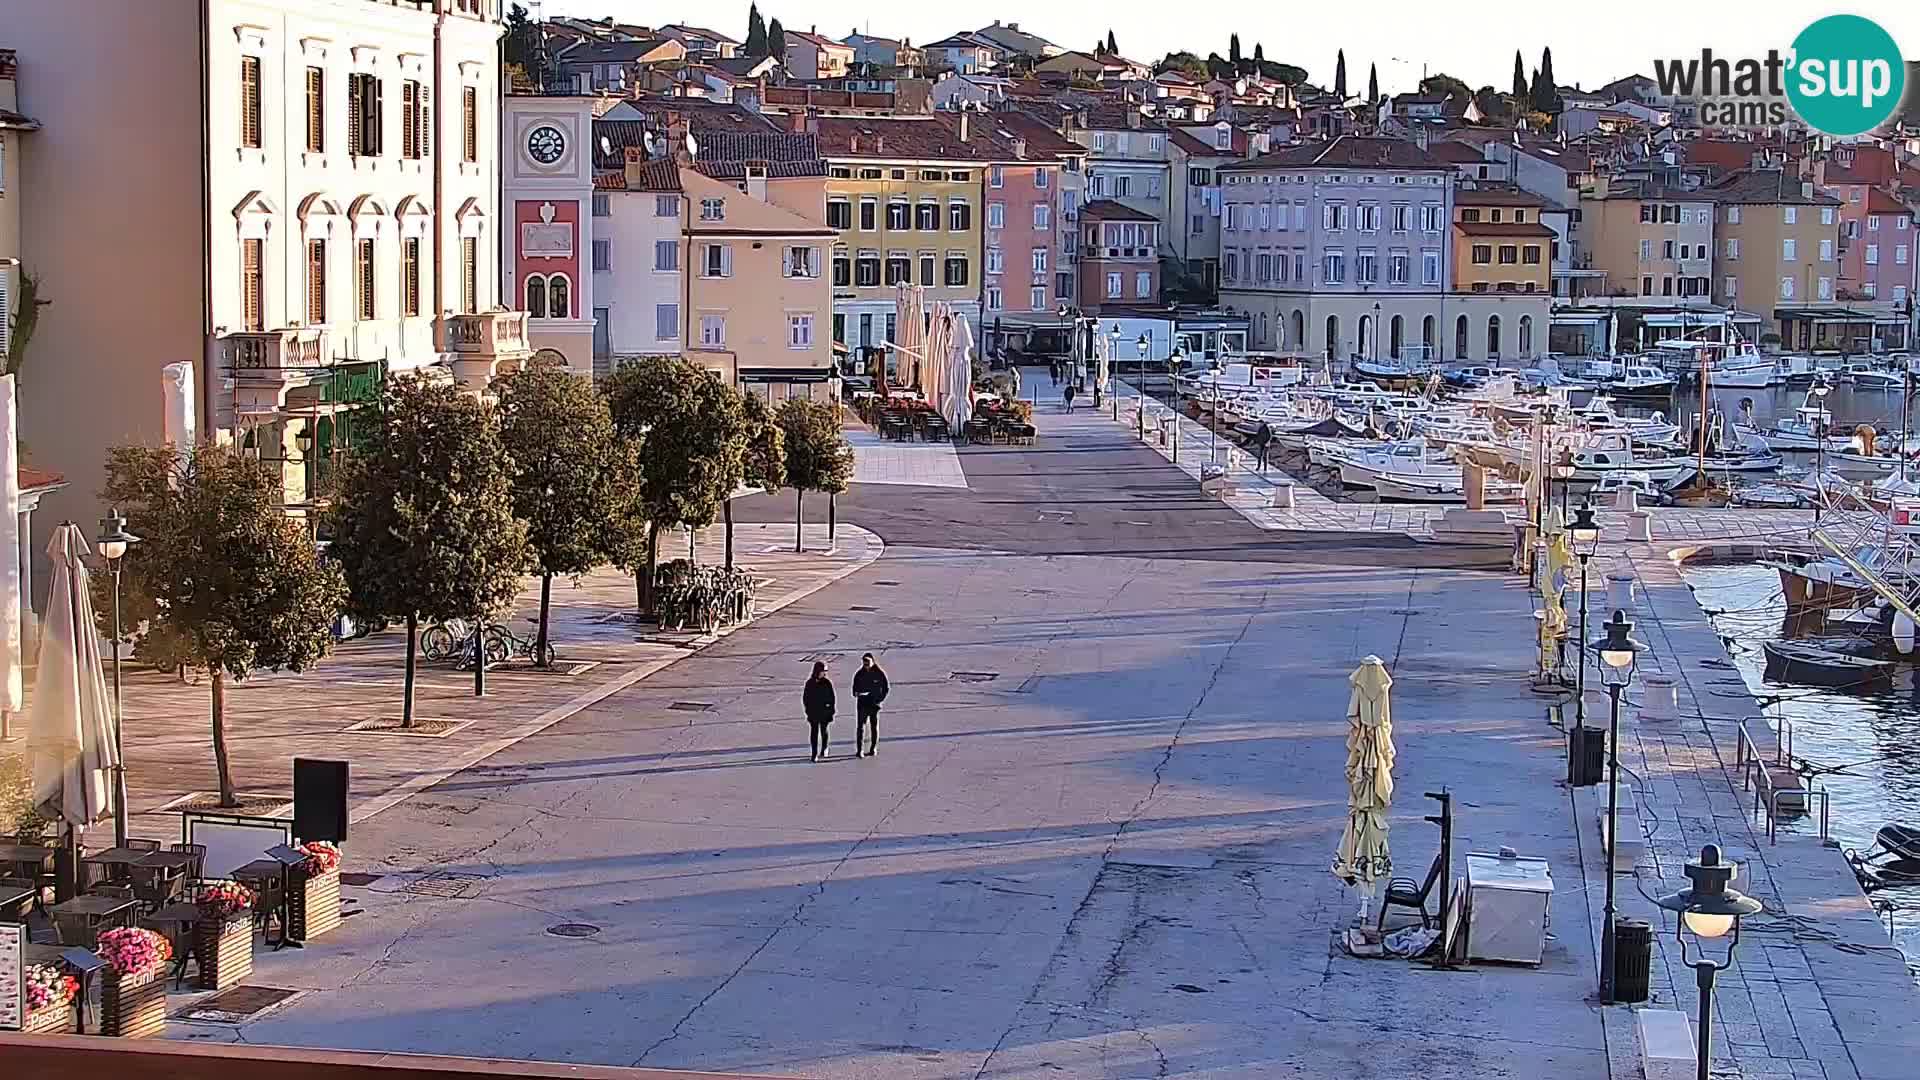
(869, 690)
(818, 699)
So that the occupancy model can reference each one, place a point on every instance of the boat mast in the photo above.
(1706, 409)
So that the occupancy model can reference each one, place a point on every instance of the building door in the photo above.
(602, 335)
(866, 330)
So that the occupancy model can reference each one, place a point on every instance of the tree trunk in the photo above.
(546, 603)
(798, 511)
(646, 572)
(220, 765)
(726, 513)
(831, 518)
(406, 703)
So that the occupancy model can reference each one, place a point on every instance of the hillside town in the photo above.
(1364, 575)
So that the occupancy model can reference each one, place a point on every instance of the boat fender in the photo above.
(1903, 633)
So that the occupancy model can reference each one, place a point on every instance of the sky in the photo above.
(1592, 44)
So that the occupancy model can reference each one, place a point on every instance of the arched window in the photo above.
(559, 303)
(1460, 338)
(1493, 337)
(536, 296)
(1526, 336)
(1263, 329)
(1426, 336)
(1366, 331)
(1299, 329)
(1333, 337)
(1394, 336)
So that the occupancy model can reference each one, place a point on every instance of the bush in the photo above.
(17, 814)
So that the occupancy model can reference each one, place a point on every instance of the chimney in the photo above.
(1020, 147)
(963, 125)
(1806, 189)
(813, 121)
(757, 180)
(636, 164)
(796, 122)
(853, 144)
(879, 144)
(1133, 118)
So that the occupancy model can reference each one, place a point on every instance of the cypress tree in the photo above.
(1520, 88)
(1373, 84)
(1340, 74)
(1112, 49)
(756, 32)
(1546, 92)
(1233, 50)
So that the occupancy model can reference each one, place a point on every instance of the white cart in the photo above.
(1508, 903)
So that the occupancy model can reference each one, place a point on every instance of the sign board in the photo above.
(232, 841)
(13, 982)
(539, 240)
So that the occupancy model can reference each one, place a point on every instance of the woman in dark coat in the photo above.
(818, 699)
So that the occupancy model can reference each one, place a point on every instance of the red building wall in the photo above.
(566, 214)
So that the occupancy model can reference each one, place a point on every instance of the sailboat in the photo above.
(1701, 489)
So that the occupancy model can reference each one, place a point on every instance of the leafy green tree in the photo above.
(763, 457)
(818, 457)
(777, 41)
(1520, 88)
(756, 32)
(1440, 84)
(1185, 63)
(1340, 74)
(21, 321)
(423, 523)
(1493, 105)
(1286, 74)
(556, 430)
(226, 581)
(690, 433)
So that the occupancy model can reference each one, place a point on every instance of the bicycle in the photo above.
(442, 640)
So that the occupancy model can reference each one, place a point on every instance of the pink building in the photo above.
(1876, 246)
(1120, 257)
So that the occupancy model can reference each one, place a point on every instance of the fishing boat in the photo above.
(1814, 582)
(1591, 465)
(1637, 481)
(1398, 461)
(1811, 665)
(1637, 380)
(1868, 376)
(1393, 372)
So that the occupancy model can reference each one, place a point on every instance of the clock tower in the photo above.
(547, 167)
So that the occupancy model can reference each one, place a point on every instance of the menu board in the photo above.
(13, 987)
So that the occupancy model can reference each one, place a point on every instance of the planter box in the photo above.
(315, 902)
(133, 1008)
(52, 1020)
(225, 949)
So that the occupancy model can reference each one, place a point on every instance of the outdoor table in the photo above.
(31, 859)
(90, 913)
(154, 876)
(264, 876)
(14, 902)
(114, 861)
(177, 921)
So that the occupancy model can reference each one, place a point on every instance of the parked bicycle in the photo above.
(454, 640)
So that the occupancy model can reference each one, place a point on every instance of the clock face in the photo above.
(546, 144)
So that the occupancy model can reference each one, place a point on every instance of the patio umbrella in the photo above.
(10, 584)
(1363, 859)
(70, 737)
(957, 396)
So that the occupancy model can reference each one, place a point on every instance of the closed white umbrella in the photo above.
(70, 737)
(957, 405)
(10, 584)
(1363, 859)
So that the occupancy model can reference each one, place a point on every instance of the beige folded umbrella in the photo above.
(70, 736)
(1363, 860)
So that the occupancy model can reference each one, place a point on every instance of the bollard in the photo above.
(1640, 526)
(1658, 698)
(1283, 497)
(1619, 591)
(1626, 500)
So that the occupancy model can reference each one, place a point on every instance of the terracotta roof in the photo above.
(1724, 153)
(928, 138)
(1879, 202)
(1458, 153)
(1108, 210)
(702, 115)
(1347, 152)
(1199, 147)
(723, 155)
(657, 174)
(1042, 141)
(31, 478)
(1114, 116)
(613, 52)
(1768, 187)
(817, 39)
(697, 31)
(1504, 228)
(1496, 195)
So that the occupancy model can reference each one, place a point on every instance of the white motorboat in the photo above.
(1745, 371)
(1807, 430)
(1592, 464)
(1857, 466)
(1444, 492)
(1612, 484)
(1867, 377)
(1397, 461)
(1638, 380)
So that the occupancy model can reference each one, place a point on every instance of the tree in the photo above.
(226, 581)
(1373, 84)
(763, 455)
(1233, 49)
(423, 523)
(1285, 74)
(817, 455)
(690, 433)
(1520, 88)
(1546, 92)
(1443, 85)
(777, 41)
(1185, 63)
(1112, 49)
(1259, 54)
(556, 430)
(756, 45)
(1493, 105)
(21, 322)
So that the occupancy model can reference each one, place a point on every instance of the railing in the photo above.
(294, 350)
(488, 333)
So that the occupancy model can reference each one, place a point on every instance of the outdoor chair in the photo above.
(1403, 892)
(978, 431)
(179, 933)
(199, 853)
(143, 845)
(118, 892)
(17, 913)
(157, 886)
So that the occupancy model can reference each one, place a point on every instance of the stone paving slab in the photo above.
(887, 461)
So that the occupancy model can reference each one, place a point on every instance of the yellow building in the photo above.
(1777, 251)
(1499, 243)
(1652, 241)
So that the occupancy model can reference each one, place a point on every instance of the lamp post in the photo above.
(1709, 907)
(1145, 345)
(1820, 392)
(1586, 539)
(1213, 451)
(1113, 374)
(114, 540)
(1616, 670)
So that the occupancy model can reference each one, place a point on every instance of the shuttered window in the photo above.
(470, 123)
(365, 260)
(363, 115)
(316, 110)
(250, 101)
(470, 274)
(410, 276)
(415, 140)
(6, 314)
(253, 295)
(316, 282)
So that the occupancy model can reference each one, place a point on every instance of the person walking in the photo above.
(1262, 442)
(1068, 396)
(818, 699)
(869, 690)
(1053, 371)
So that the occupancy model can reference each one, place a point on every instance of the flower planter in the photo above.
(315, 902)
(133, 1007)
(225, 948)
(52, 1020)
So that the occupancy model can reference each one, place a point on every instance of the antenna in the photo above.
(606, 146)
(693, 145)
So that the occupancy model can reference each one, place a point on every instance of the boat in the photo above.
(1799, 662)
(1591, 465)
(1892, 861)
(1398, 461)
(1415, 489)
(1868, 376)
(1637, 380)
(1612, 484)
(1393, 372)
(1797, 370)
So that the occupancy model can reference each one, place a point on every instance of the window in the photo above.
(1429, 266)
(1482, 254)
(1789, 214)
(1039, 260)
(1122, 186)
(1402, 217)
(1646, 285)
(713, 209)
(666, 255)
(842, 270)
(1826, 288)
(713, 331)
(1732, 286)
(1666, 249)
(801, 262)
(316, 282)
(410, 276)
(1869, 289)
(1899, 294)
(716, 260)
(1648, 214)
(415, 140)
(1037, 298)
(1043, 217)
(994, 302)
(363, 115)
(996, 215)
(250, 101)
(926, 216)
(1826, 215)
(1900, 223)
(1430, 217)
(1333, 216)
(1493, 336)
(870, 174)
(959, 216)
(1495, 215)
(1666, 286)
(1733, 215)
(898, 215)
(1366, 266)
(316, 110)
(800, 331)
(666, 206)
(869, 214)
(1786, 288)
(1733, 248)
(469, 124)
(1397, 264)
(470, 274)
(995, 176)
(1531, 255)
(1063, 285)
(1788, 249)
(1041, 181)
(1113, 286)
(603, 255)
(866, 269)
(900, 267)
(1334, 268)
(1509, 254)
(1826, 251)
(1873, 254)
(1646, 251)
(956, 269)
(1520, 217)
(1460, 338)
(363, 262)
(1469, 213)
(927, 266)
(1143, 284)
(1369, 214)
(1900, 254)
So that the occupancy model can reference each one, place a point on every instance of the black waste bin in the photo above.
(1632, 959)
(1586, 755)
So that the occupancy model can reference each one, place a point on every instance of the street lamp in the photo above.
(1145, 345)
(1213, 452)
(1820, 392)
(1617, 657)
(114, 540)
(1113, 357)
(1709, 907)
(1586, 540)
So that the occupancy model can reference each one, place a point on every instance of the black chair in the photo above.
(143, 845)
(199, 853)
(1402, 892)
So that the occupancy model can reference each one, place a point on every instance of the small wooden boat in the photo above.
(1798, 662)
(1893, 860)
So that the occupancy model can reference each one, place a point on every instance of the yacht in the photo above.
(1869, 377)
(1641, 380)
(1407, 460)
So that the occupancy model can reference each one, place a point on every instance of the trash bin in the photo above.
(1586, 755)
(1632, 960)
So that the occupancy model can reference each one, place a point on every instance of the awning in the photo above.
(786, 374)
(1685, 318)
(1825, 315)
(1578, 317)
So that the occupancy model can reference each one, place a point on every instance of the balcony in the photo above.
(485, 344)
(266, 365)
